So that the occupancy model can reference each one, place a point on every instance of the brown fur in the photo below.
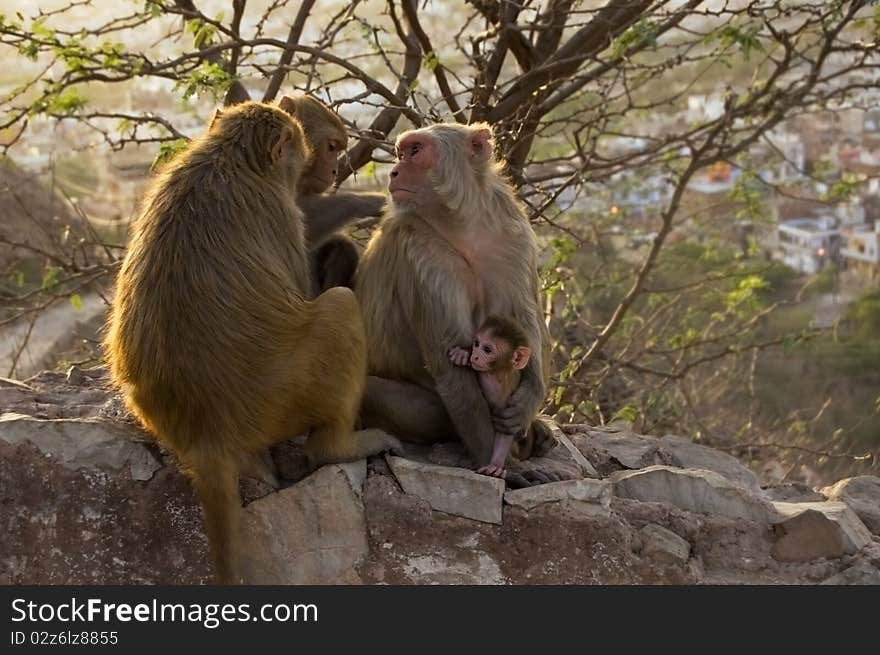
(318, 121)
(506, 330)
(460, 250)
(211, 338)
(334, 256)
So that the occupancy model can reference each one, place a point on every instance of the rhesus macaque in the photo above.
(499, 351)
(333, 256)
(454, 248)
(211, 338)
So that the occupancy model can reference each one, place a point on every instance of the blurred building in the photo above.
(861, 250)
(807, 244)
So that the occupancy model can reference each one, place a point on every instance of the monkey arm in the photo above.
(468, 410)
(324, 214)
(524, 402)
(458, 387)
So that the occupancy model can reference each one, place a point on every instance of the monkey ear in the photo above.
(288, 104)
(217, 114)
(479, 144)
(284, 141)
(236, 95)
(521, 357)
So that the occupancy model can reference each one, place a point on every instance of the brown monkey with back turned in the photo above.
(211, 337)
(455, 247)
(499, 351)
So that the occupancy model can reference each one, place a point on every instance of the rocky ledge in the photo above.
(88, 498)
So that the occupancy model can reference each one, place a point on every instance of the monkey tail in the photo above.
(215, 478)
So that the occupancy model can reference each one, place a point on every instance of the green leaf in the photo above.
(154, 8)
(76, 301)
(642, 33)
(167, 151)
(67, 103)
(39, 29)
(50, 278)
(209, 77)
(430, 61)
(746, 39)
(626, 413)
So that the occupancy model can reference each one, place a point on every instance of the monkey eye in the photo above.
(331, 146)
(414, 149)
(487, 350)
(476, 343)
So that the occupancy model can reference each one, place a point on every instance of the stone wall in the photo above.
(88, 498)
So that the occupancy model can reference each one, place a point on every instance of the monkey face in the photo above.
(321, 172)
(485, 353)
(416, 156)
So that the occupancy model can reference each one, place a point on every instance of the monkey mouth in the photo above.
(396, 190)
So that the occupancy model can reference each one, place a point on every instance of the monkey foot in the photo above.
(494, 471)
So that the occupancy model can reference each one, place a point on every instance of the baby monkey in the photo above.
(500, 350)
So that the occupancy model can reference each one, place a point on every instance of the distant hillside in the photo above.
(32, 214)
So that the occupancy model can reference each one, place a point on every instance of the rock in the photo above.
(696, 456)
(356, 472)
(809, 531)
(452, 490)
(290, 460)
(444, 568)
(550, 544)
(590, 496)
(586, 467)
(664, 545)
(82, 443)
(633, 451)
(701, 491)
(860, 574)
(251, 489)
(793, 492)
(64, 525)
(310, 533)
(557, 461)
(51, 395)
(862, 495)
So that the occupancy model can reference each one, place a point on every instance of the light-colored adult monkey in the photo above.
(211, 337)
(455, 247)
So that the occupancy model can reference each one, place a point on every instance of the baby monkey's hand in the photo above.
(460, 356)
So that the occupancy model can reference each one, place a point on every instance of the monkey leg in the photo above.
(537, 442)
(335, 364)
(500, 450)
(333, 264)
(406, 410)
(333, 443)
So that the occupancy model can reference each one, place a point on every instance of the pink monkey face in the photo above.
(486, 351)
(416, 156)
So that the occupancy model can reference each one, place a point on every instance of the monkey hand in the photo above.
(459, 356)
(512, 418)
